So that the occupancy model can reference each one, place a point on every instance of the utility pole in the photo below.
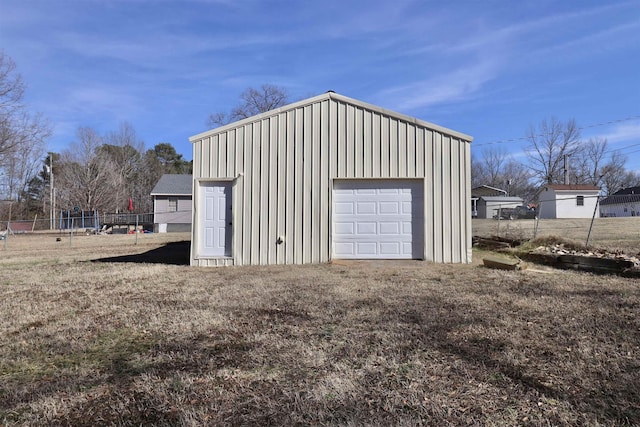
(52, 203)
(566, 169)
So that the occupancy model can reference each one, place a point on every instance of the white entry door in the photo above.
(378, 219)
(215, 219)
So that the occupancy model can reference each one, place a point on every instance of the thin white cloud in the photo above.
(104, 100)
(623, 132)
(460, 84)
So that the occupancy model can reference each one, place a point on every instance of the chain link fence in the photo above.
(611, 223)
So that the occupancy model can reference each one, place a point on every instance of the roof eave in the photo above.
(337, 97)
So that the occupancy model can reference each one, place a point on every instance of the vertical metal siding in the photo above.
(323, 183)
(283, 166)
(282, 186)
(291, 189)
(429, 216)
(446, 199)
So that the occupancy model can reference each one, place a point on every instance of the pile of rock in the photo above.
(560, 249)
(584, 259)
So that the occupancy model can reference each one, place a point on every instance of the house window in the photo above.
(580, 200)
(173, 204)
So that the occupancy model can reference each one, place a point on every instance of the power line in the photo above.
(524, 138)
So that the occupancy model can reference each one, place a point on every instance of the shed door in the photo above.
(215, 226)
(378, 219)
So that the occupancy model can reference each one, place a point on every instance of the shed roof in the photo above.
(486, 190)
(572, 187)
(341, 98)
(173, 185)
(502, 199)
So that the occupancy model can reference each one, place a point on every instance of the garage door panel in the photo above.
(390, 248)
(367, 248)
(389, 191)
(389, 208)
(365, 191)
(385, 221)
(407, 227)
(344, 208)
(345, 249)
(367, 228)
(389, 228)
(343, 191)
(347, 228)
(366, 208)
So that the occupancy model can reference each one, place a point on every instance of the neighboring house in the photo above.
(491, 206)
(568, 201)
(625, 202)
(172, 203)
(326, 178)
(483, 190)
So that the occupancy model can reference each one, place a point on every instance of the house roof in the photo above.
(173, 185)
(624, 196)
(502, 199)
(330, 95)
(486, 190)
(572, 187)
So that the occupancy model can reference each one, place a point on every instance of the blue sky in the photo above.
(490, 69)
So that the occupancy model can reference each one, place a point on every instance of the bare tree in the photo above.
(497, 169)
(124, 148)
(614, 176)
(587, 165)
(252, 101)
(492, 166)
(88, 176)
(593, 165)
(20, 167)
(548, 146)
(21, 134)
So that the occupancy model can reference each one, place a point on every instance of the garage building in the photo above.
(330, 177)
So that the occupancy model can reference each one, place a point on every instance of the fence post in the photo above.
(593, 217)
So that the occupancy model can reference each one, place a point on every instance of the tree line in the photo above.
(96, 172)
(555, 153)
(103, 171)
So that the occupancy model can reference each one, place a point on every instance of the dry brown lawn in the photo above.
(105, 332)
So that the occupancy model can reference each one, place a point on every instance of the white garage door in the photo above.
(378, 219)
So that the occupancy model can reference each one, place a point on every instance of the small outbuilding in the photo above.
(483, 190)
(568, 201)
(622, 203)
(172, 203)
(493, 206)
(326, 178)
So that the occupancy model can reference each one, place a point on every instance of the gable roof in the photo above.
(486, 190)
(626, 195)
(572, 187)
(506, 199)
(330, 95)
(173, 185)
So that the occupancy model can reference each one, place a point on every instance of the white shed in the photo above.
(326, 178)
(491, 206)
(568, 201)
